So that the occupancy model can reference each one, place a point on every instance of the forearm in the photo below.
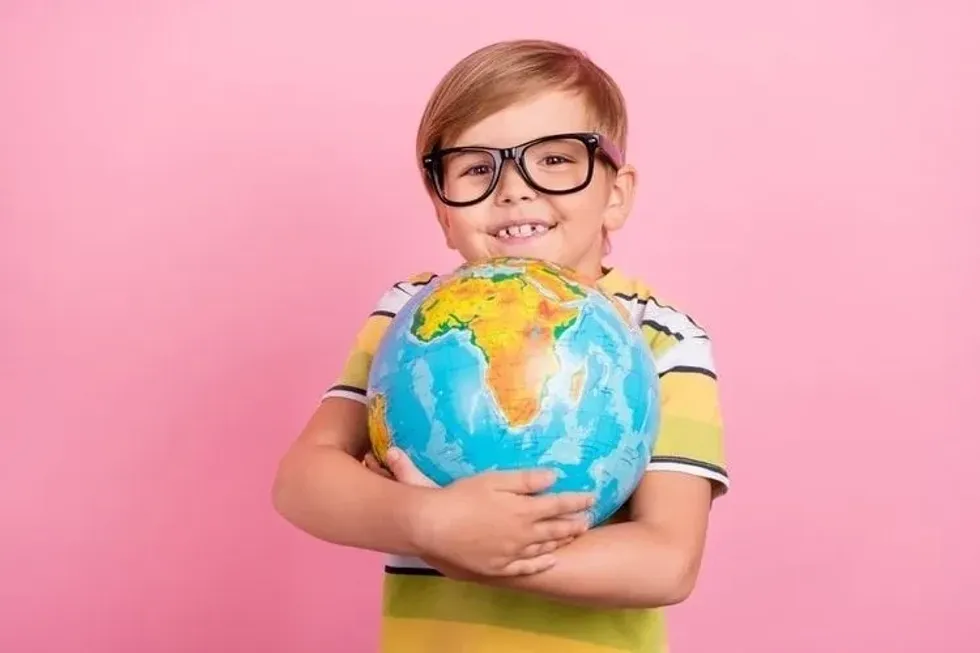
(629, 565)
(325, 492)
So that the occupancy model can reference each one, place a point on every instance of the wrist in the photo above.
(412, 517)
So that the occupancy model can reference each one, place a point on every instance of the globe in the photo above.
(513, 364)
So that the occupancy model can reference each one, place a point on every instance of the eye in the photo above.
(555, 160)
(480, 169)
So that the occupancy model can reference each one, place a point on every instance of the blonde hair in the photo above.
(501, 74)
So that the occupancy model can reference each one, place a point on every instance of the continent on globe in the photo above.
(510, 317)
(378, 428)
(517, 363)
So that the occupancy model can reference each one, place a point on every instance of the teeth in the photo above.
(521, 230)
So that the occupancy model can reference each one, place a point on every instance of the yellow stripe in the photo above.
(685, 438)
(430, 636)
(420, 278)
(358, 365)
(444, 600)
(658, 341)
(690, 423)
(691, 396)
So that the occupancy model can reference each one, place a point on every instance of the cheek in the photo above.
(581, 208)
(465, 219)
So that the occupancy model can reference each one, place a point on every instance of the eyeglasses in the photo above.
(555, 165)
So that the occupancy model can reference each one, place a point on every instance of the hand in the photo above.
(490, 524)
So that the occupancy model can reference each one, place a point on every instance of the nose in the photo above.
(512, 187)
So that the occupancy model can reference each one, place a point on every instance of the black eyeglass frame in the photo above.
(593, 141)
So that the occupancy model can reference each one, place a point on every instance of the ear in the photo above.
(620, 201)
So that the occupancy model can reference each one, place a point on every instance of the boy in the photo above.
(490, 563)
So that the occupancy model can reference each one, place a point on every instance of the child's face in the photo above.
(517, 220)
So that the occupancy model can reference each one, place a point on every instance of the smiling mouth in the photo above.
(520, 231)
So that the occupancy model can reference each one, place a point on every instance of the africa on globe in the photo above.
(513, 364)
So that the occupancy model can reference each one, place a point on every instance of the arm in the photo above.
(649, 561)
(495, 524)
(322, 489)
(652, 560)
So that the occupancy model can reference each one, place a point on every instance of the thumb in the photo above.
(525, 481)
(404, 470)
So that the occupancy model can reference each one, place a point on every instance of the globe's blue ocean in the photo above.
(440, 409)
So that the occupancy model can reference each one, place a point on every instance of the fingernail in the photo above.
(393, 455)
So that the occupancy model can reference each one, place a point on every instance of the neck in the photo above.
(591, 267)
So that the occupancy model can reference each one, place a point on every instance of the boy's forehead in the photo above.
(552, 112)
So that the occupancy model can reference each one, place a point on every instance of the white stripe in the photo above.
(673, 319)
(395, 298)
(695, 352)
(345, 394)
(404, 562)
(687, 468)
(634, 307)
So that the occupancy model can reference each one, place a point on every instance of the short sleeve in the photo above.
(353, 379)
(352, 382)
(690, 438)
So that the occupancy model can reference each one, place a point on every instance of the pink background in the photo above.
(200, 202)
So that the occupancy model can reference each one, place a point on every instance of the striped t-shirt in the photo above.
(424, 612)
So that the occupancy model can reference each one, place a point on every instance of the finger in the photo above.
(555, 505)
(540, 548)
(523, 481)
(537, 549)
(575, 516)
(558, 529)
(529, 566)
(372, 463)
(404, 470)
